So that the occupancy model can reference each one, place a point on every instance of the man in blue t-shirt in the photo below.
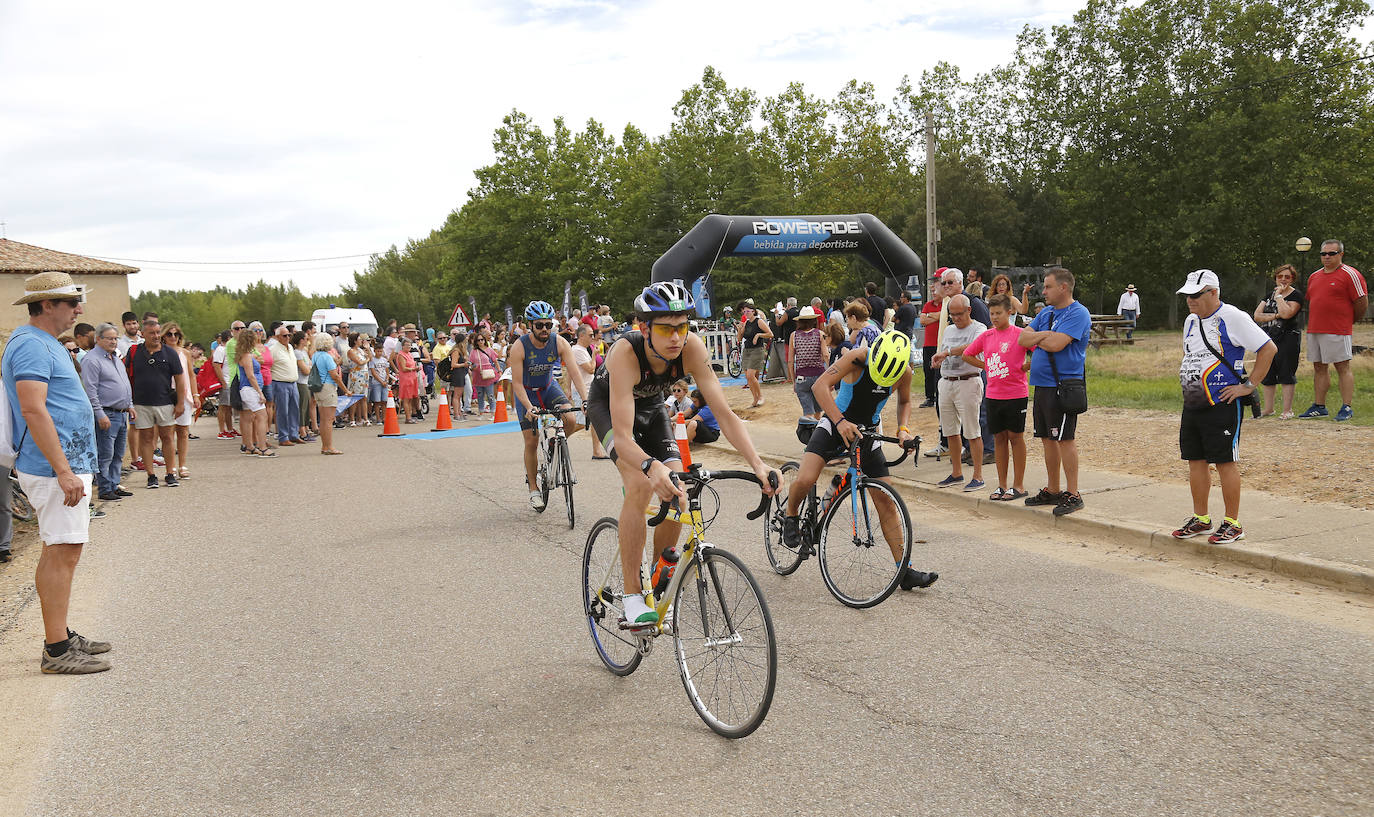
(53, 430)
(1059, 339)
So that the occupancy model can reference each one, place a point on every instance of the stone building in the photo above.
(107, 283)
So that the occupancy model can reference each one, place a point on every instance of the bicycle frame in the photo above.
(814, 511)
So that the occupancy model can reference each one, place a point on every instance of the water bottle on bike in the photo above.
(830, 492)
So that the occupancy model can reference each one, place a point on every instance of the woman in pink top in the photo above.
(1006, 364)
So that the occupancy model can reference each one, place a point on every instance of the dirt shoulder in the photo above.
(1305, 459)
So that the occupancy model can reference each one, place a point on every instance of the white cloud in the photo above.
(260, 130)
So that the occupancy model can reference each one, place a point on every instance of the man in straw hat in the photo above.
(1128, 307)
(54, 431)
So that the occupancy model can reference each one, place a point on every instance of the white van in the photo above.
(359, 320)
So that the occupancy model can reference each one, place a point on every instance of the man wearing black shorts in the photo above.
(1209, 431)
(1059, 334)
(625, 409)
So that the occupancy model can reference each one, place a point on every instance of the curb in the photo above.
(1306, 568)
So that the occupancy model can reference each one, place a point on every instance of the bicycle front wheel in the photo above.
(565, 471)
(784, 560)
(545, 475)
(733, 362)
(726, 651)
(859, 564)
(603, 591)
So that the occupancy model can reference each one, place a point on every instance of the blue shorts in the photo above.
(549, 397)
(376, 392)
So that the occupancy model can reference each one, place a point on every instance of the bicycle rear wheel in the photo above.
(724, 641)
(857, 561)
(603, 588)
(732, 364)
(565, 475)
(784, 560)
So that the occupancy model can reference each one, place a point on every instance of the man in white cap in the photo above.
(1128, 307)
(1216, 337)
(53, 430)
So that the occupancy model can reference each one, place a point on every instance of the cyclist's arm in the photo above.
(516, 362)
(903, 389)
(565, 353)
(824, 390)
(697, 363)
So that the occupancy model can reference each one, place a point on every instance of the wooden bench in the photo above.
(1110, 329)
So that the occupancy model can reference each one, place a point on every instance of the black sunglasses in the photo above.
(1199, 294)
(543, 324)
(1329, 253)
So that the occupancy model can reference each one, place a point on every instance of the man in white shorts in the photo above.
(53, 429)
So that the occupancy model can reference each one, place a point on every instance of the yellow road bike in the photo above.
(711, 606)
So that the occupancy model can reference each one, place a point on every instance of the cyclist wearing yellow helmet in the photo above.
(865, 377)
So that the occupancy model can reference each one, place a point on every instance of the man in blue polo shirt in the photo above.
(1059, 339)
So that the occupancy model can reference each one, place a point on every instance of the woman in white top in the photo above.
(186, 412)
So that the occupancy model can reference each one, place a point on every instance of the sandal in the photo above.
(331, 451)
(1014, 495)
(183, 473)
(1000, 495)
(267, 453)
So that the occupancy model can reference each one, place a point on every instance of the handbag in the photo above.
(488, 371)
(1072, 392)
(1247, 400)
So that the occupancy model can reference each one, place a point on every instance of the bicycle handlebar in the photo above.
(910, 446)
(701, 477)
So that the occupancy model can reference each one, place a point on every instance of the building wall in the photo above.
(107, 297)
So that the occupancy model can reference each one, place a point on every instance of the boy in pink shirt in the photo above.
(1006, 364)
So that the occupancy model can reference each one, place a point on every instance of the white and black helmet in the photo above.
(664, 298)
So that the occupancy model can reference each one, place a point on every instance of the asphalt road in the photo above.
(395, 632)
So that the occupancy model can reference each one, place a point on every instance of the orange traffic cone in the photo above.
(680, 433)
(391, 427)
(500, 416)
(445, 419)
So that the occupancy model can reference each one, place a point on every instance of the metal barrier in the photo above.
(719, 344)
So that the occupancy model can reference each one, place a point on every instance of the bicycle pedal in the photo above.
(647, 629)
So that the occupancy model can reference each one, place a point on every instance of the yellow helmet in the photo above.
(888, 356)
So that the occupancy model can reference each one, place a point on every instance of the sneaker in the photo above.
(973, 485)
(110, 496)
(224, 436)
(918, 578)
(791, 532)
(1045, 497)
(86, 645)
(159, 462)
(1344, 414)
(5, 555)
(73, 662)
(938, 451)
(122, 492)
(1068, 503)
(152, 481)
(96, 513)
(172, 481)
(948, 481)
(637, 612)
(537, 502)
(1226, 534)
(138, 465)
(927, 404)
(1191, 528)
(1314, 410)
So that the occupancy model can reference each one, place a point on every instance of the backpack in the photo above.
(444, 369)
(314, 382)
(8, 452)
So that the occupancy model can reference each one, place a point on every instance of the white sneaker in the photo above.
(637, 612)
(537, 502)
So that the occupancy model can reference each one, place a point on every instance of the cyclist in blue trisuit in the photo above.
(626, 411)
(866, 376)
(532, 360)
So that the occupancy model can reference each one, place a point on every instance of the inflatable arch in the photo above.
(691, 259)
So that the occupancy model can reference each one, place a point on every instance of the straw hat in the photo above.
(51, 286)
(807, 312)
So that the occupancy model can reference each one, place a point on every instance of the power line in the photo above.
(259, 263)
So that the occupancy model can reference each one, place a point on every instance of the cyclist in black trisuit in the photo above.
(866, 376)
(625, 409)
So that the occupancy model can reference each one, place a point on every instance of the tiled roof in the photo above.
(28, 259)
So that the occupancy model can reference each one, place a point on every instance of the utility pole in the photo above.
(932, 231)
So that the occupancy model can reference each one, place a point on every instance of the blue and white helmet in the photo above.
(664, 298)
(538, 310)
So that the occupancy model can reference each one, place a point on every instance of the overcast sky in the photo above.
(259, 131)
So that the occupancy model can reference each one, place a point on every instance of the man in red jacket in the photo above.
(1336, 297)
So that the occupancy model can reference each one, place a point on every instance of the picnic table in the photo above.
(1110, 329)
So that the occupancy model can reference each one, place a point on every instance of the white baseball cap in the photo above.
(1198, 280)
